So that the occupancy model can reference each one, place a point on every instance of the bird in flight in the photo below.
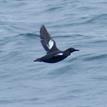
(53, 54)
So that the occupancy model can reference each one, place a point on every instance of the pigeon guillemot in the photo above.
(53, 53)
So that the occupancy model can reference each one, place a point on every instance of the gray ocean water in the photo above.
(78, 81)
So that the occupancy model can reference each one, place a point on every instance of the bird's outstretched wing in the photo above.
(47, 41)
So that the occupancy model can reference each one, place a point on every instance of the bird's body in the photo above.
(53, 53)
(52, 58)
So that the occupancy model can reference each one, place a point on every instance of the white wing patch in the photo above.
(50, 44)
(60, 54)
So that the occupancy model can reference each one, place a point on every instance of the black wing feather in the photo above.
(45, 38)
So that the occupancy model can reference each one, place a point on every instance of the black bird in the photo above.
(53, 53)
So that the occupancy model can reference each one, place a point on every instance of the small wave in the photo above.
(29, 35)
(63, 36)
(100, 78)
(97, 57)
(98, 19)
(7, 101)
(6, 40)
(53, 8)
(60, 71)
(72, 59)
(99, 41)
(68, 35)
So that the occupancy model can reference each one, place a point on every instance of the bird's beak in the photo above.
(76, 50)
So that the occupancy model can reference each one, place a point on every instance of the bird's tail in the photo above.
(37, 60)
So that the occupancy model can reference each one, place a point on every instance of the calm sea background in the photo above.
(78, 81)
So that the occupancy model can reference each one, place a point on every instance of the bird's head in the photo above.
(70, 50)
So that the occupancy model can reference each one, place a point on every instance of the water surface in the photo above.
(78, 81)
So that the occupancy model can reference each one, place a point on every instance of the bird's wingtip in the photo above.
(43, 30)
(43, 26)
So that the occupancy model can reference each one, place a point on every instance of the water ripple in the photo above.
(79, 80)
(96, 57)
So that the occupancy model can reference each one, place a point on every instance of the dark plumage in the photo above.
(53, 53)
